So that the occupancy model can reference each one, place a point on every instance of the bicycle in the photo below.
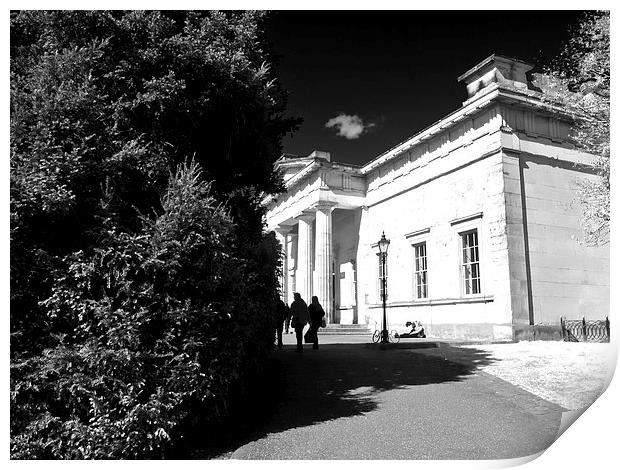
(393, 336)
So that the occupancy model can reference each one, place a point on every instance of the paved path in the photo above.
(350, 401)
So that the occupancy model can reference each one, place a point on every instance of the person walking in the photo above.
(282, 314)
(316, 316)
(299, 318)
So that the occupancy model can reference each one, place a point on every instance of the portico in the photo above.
(303, 224)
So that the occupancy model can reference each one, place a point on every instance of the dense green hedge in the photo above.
(142, 284)
(155, 328)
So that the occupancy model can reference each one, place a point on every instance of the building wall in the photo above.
(507, 171)
(564, 276)
(344, 180)
(520, 173)
(465, 182)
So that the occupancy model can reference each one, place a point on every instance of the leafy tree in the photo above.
(580, 79)
(147, 336)
(105, 104)
(140, 293)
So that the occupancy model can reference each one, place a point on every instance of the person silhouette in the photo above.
(417, 330)
(299, 318)
(316, 315)
(282, 314)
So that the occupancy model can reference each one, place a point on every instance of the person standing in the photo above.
(316, 316)
(287, 323)
(299, 318)
(282, 314)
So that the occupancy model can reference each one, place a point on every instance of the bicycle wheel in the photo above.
(394, 336)
(376, 336)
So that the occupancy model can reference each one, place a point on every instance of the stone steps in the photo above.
(340, 329)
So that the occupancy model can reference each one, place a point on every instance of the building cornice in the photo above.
(319, 163)
(311, 168)
(495, 93)
(449, 121)
(487, 154)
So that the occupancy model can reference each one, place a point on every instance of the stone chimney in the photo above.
(506, 72)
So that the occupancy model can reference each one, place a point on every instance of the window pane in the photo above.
(470, 264)
(475, 269)
(467, 271)
(420, 263)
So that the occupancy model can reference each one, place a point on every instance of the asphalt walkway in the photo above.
(355, 401)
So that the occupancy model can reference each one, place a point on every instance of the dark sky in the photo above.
(396, 70)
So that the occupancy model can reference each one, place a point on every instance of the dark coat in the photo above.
(299, 313)
(283, 313)
(316, 314)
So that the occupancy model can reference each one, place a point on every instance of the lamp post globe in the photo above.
(384, 243)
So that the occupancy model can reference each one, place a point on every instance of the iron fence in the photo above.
(594, 331)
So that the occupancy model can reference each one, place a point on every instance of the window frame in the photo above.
(417, 238)
(463, 225)
(468, 278)
(423, 258)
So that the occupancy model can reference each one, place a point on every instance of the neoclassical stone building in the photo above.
(480, 209)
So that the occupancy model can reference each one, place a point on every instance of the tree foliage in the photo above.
(580, 80)
(139, 292)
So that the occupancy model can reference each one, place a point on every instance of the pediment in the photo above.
(290, 169)
(290, 165)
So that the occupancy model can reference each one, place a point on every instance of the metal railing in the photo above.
(593, 331)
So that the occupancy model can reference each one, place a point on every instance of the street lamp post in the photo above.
(383, 247)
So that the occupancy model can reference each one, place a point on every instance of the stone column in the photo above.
(282, 236)
(303, 277)
(291, 251)
(323, 259)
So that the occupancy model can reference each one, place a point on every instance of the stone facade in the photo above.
(480, 209)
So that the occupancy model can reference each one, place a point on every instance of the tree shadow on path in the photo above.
(334, 382)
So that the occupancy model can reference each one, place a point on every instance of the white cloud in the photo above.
(349, 126)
